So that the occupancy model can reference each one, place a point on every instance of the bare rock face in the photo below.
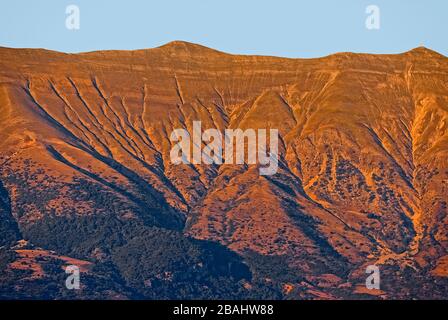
(363, 155)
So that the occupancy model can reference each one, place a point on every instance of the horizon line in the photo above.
(188, 43)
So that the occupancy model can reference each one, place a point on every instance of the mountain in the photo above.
(86, 174)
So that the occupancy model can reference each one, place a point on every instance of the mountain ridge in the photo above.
(181, 44)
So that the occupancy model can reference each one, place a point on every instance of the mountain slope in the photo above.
(362, 176)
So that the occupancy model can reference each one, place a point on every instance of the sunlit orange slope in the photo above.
(363, 175)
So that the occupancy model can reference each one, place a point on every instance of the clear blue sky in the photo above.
(291, 28)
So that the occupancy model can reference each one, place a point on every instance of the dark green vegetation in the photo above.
(9, 232)
(132, 257)
(154, 262)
